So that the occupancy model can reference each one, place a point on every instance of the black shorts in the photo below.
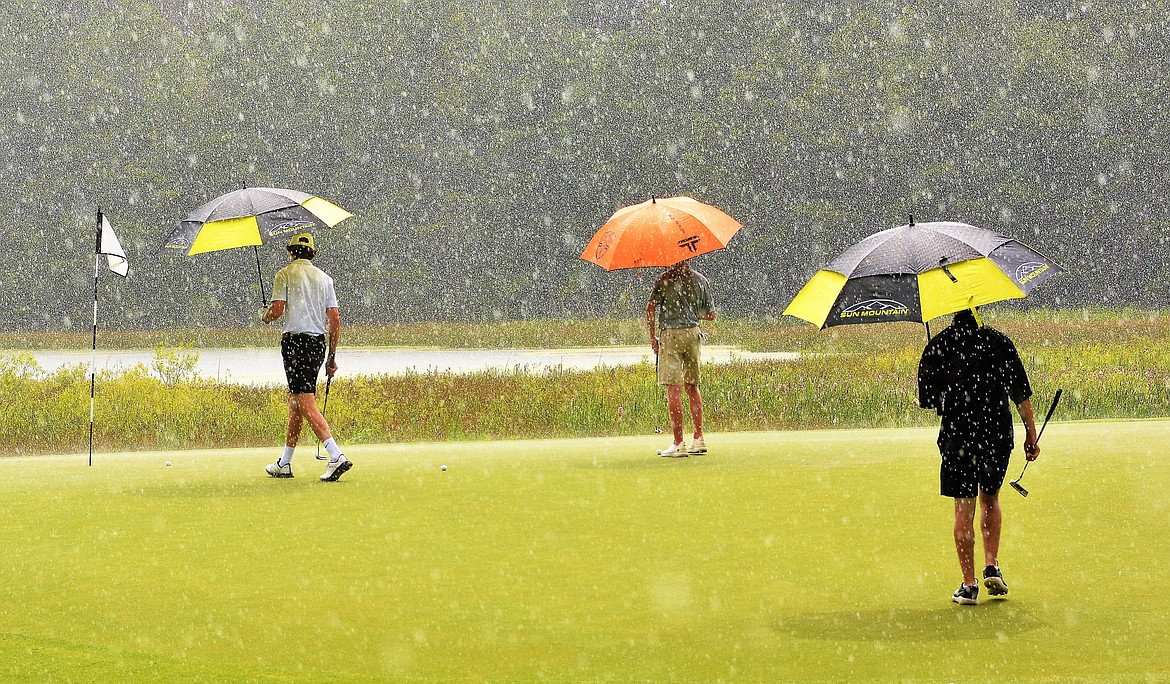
(969, 469)
(304, 355)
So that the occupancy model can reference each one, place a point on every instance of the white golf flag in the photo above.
(108, 244)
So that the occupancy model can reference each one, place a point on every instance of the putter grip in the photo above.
(1051, 409)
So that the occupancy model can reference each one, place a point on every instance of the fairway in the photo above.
(783, 556)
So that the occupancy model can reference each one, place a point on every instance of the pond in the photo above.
(264, 367)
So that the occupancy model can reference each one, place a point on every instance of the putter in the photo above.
(1016, 482)
(328, 382)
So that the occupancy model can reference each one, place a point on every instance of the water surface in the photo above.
(264, 367)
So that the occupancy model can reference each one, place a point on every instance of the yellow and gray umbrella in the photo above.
(918, 272)
(251, 217)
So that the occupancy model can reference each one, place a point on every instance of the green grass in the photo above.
(781, 556)
(1113, 369)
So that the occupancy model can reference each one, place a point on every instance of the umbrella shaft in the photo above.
(260, 276)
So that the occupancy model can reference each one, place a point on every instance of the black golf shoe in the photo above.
(993, 580)
(966, 595)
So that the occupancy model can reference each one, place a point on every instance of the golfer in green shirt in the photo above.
(680, 299)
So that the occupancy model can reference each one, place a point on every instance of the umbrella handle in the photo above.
(259, 275)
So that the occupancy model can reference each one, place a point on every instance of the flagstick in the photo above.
(97, 259)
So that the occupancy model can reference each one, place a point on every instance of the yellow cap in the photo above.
(304, 240)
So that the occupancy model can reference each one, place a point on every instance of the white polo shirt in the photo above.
(307, 292)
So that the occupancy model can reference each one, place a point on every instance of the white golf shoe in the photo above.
(277, 470)
(698, 446)
(674, 451)
(335, 469)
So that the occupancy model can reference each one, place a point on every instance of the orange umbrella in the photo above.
(659, 232)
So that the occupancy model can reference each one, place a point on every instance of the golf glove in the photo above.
(262, 313)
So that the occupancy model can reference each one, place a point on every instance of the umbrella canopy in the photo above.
(250, 217)
(659, 232)
(918, 272)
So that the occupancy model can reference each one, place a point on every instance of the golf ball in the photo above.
(443, 468)
(168, 463)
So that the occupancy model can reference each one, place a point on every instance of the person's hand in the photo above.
(331, 365)
(654, 345)
(262, 313)
(1031, 448)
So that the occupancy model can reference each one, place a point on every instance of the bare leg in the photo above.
(696, 401)
(293, 432)
(991, 524)
(965, 537)
(308, 408)
(674, 408)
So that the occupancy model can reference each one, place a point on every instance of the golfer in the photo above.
(304, 295)
(680, 299)
(969, 374)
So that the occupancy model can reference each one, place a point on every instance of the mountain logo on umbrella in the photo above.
(1029, 271)
(876, 307)
(289, 227)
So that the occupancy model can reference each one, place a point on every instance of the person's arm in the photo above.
(1020, 392)
(651, 308)
(274, 311)
(708, 302)
(929, 389)
(334, 316)
(1031, 440)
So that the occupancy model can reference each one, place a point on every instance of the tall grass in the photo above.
(853, 377)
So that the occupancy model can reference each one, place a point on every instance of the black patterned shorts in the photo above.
(304, 355)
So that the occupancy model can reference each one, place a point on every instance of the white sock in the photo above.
(286, 457)
(332, 448)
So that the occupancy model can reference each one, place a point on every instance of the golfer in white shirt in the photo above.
(304, 295)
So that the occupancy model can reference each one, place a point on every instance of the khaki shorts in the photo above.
(678, 356)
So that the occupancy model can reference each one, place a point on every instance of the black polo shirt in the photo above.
(972, 375)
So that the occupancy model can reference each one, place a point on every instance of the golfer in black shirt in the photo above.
(972, 375)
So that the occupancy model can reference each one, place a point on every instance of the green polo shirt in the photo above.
(682, 298)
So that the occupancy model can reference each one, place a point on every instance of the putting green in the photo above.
(791, 556)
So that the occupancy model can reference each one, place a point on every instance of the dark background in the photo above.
(480, 146)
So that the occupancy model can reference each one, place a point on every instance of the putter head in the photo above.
(1018, 487)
